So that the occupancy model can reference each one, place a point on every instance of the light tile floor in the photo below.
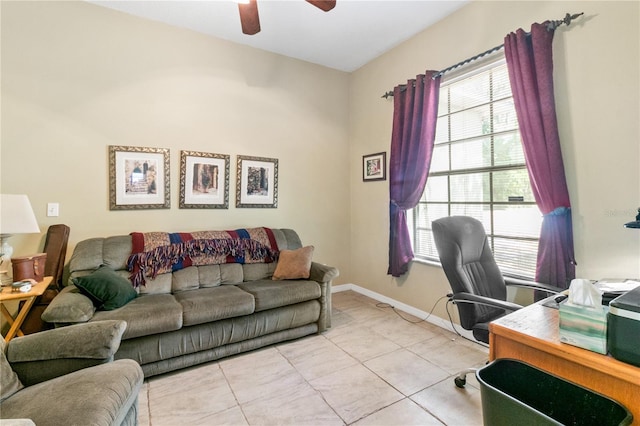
(371, 368)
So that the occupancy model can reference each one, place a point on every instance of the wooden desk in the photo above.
(29, 297)
(532, 336)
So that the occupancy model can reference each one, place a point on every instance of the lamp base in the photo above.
(6, 251)
(5, 279)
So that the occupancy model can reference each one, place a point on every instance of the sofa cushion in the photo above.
(106, 289)
(146, 315)
(87, 255)
(185, 279)
(69, 306)
(161, 284)
(231, 273)
(215, 303)
(287, 239)
(294, 264)
(116, 251)
(270, 294)
(258, 271)
(209, 275)
(9, 381)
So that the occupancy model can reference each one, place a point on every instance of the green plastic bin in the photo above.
(516, 393)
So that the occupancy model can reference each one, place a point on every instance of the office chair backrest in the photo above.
(55, 245)
(469, 265)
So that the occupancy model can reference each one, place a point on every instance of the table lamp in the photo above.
(16, 217)
(634, 223)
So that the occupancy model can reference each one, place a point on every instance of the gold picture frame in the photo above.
(138, 178)
(257, 182)
(204, 180)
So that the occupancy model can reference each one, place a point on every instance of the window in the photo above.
(478, 170)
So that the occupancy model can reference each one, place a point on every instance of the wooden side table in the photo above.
(29, 297)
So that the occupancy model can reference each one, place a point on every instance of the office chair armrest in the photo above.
(516, 282)
(482, 300)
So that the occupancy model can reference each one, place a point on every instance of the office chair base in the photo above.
(461, 379)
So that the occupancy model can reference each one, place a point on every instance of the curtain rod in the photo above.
(551, 26)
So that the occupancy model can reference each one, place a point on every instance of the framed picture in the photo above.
(138, 178)
(374, 167)
(204, 180)
(257, 182)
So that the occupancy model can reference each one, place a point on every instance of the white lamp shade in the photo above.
(16, 215)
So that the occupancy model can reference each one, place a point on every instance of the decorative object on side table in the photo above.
(138, 178)
(21, 286)
(29, 267)
(374, 167)
(634, 224)
(204, 180)
(257, 182)
(16, 217)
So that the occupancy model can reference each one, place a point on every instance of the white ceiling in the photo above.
(345, 38)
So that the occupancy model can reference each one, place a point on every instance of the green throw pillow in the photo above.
(106, 288)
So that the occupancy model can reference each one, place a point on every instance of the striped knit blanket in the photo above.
(156, 253)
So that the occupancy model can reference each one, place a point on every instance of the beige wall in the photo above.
(597, 89)
(77, 78)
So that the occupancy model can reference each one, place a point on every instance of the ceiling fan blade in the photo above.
(249, 18)
(325, 5)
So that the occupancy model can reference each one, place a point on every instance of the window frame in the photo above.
(492, 61)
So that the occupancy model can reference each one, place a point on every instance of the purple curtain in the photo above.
(530, 64)
(415, 109)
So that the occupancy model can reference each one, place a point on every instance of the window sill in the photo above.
(427, 262)
(439, 265)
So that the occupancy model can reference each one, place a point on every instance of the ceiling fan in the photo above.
(250, 20)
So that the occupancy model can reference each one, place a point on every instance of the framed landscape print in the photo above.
(204, 180)
(257, 182)
(138, 178)
(374, 166)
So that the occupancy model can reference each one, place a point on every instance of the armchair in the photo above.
(68, 376)
(479, 289)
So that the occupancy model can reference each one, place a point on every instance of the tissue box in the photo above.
(583, 326)
(624, 327)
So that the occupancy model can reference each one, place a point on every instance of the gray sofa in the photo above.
(199, 313)
(66, 377)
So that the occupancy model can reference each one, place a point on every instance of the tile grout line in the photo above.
(344, 422)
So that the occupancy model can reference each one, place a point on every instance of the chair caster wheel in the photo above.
(460, 381)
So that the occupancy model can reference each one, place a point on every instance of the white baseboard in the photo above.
(432, 319)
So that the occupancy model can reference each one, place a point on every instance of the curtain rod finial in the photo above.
(552, 25)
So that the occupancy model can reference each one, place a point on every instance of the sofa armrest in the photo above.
(322, 273)
(42, 356)
(69, 307)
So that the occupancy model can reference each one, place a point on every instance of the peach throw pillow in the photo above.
(294, 264)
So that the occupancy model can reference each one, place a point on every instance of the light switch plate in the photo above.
(53, 209)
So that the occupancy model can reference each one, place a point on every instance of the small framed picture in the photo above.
(257, 182)
(204, 180)
(138, 178)
(374, 167)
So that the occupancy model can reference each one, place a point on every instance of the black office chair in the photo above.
(479, 288)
